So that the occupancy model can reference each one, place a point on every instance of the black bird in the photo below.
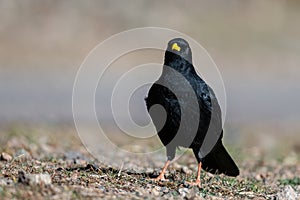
(190, 113)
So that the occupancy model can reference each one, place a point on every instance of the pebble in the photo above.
(102, 188)
(34, 179)
(22, 177)
(6, 156)
(186, 170)
(6, 181)
(248, 193)
(164, 190)
(2, 182)
(183, 191)
(155, 192)
(148, 170)
(139, 193)
(288, 193)
(158, 188)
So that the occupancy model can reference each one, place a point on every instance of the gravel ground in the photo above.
(39, 164)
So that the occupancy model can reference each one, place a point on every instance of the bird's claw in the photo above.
(160, 178)
(196, 183)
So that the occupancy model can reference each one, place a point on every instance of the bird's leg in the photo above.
(197, 182)
(162, 173)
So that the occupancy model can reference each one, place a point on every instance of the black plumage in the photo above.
(192, 113)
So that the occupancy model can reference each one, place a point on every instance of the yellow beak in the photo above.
(176, 47)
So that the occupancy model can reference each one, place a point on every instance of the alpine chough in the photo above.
(173, 92)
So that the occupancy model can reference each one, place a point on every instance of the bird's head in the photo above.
(178, 48)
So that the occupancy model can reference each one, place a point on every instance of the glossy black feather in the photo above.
(208, 111)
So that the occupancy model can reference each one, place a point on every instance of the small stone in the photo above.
(149, 170)
(6, 156)
(74, 176)
(247, 193)
(95, 176)
(186, 170)
(5, 181)
(34, 179)
(158, 188)
(155, 192)
(102, 188)
(168, 196)
(210, 175)
(288, 193)
(2, 182)
(258, 177)
(183, 191)
(164, 190)
(139, 193)
(22, 178)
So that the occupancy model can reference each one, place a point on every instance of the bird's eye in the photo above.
(184, 46)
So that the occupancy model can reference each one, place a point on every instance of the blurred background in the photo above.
(255, 44)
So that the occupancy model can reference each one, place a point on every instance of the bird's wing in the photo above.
(176, 104)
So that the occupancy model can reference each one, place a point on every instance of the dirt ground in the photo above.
(53, 164)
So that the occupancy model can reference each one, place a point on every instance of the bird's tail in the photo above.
(219, 161)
